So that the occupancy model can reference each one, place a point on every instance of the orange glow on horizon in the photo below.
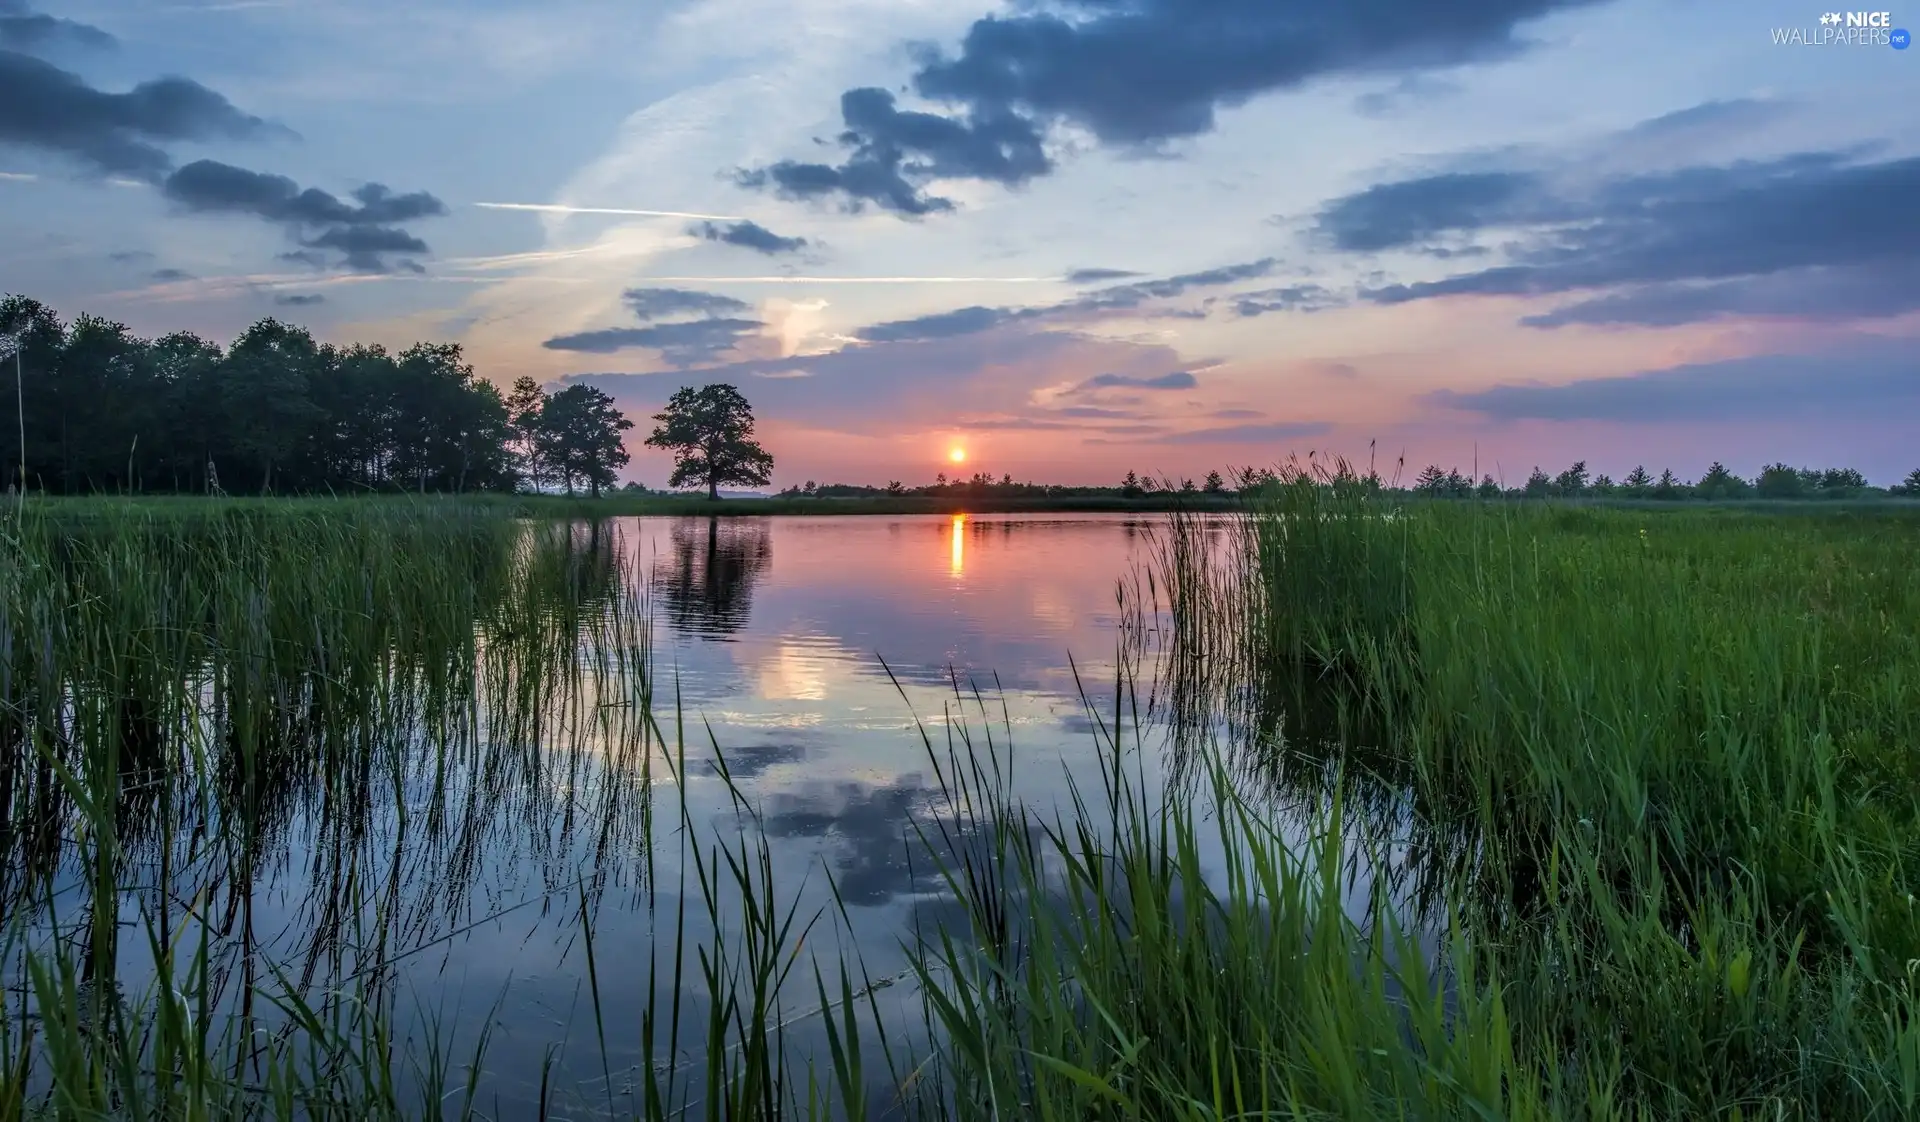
(958, 455)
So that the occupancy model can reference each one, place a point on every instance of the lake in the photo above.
(542, 886)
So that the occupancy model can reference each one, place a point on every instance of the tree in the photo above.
(1778, 481)
(1431, 480)
(710, 431)
(1670, 486)
(1214, 485)
(1572, 482)
(523, 413)
(1719, 483)
(1130, 486)
(1836, 480)
(1638, 482)
(1488, 489)
(1912, 485)
(1538, 485)
(579, 438)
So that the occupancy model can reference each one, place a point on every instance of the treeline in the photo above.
(104, 410)
(1775, 481)
(984, 485)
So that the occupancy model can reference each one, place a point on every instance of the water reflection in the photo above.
(486, 762)
(706, 583)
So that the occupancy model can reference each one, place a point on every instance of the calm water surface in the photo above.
(820, 655)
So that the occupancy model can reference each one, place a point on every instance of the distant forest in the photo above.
(106, 411)
(1777, 481)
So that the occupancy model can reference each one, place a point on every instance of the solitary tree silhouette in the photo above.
(710, 431)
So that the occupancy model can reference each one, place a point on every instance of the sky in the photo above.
(1073, 238)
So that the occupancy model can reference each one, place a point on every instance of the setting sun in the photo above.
(958, 455)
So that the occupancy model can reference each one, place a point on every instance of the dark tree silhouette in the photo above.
(278, 411)
(710, 431)
(577, 437)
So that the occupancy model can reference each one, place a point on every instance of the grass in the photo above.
(1471, 811)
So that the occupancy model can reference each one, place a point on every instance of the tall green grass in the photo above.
(1679, 748)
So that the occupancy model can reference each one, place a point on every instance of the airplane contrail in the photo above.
(556, 208)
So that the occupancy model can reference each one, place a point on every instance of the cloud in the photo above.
(49, 109)
(1178, 380)
(1819, 294)
(1250, 434)
(1397, 215)
(749, 235)
(1665, 247)
(665, 303)
(1292, 298)
(24, 30)
(167, 276)
(682, 344)
(1408, 90)
(1124, 298)
(893, 151)
(1132, 74)
(130, 256)
(1096, 276)
(299, 300)
(1865, 382)
(363, 231)
(943, 325)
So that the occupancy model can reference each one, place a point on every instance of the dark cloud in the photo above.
(1104, 301)
(362, 231)
(1134, 74)
(749, 235)
(1673, 246)
(208, 185)
(1821, 294)
(1178, 380)
(1250, 434)
(49, 109)
(682, 344)
(1863, 383)
(1097, 276)
(165, 276)
(1140, 292)
(130, 256)
(1235, 414)
(1292, 298)
(718, 327)
(943, 325)
(650, 304)
(1396, 215)
(300, 300)
(895, 151)
(364, 249)
(1732, 113)
(24, 30)
(1095, 413)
